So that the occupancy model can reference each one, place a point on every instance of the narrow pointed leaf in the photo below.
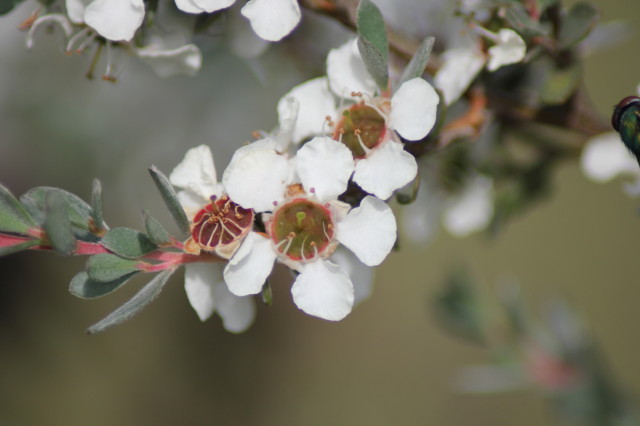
(96, 207)
(372, 42)
(170, 198)
(418, 63)
(106, 267)
(58, 226)
(408, 193)
(13, 216)
(145, 296)
(577, 24)
(520, 20)
(86, 288)
(6, 250)
(267, 294)
(128, 242)
(155, 230)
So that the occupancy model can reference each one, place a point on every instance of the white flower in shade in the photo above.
(306, 225)
(270, 19)
(510, 48)
(218, 225)
(472, 209)
(115, 20)
(605, 157)
(459, 68)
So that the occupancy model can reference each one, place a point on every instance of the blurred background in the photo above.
(388, 363)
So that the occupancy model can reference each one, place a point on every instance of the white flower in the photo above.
(270, 19)
(306, 225)
(510, 48)
(459, 68)
(605, 157)
(472, 209)
(204, 283)
(115, 20)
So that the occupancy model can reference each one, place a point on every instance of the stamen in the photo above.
(366, 150)
(51, 18)
(108, 74)
(94, 62)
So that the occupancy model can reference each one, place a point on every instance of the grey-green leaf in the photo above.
(6, 250)
(86, 288)
(13, 216)
(57, 224)
(145, 296)
(171, 199)
(156, 232)
(128, 242)
(372, 42)
(560, 84)
(520, 20)
(107, 267)
(267, 294)
(418, 63)
(96, 207)
(408, 193)
(577, 24)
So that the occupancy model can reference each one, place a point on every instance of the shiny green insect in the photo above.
(626, 121)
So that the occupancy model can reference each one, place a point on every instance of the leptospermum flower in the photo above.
(218, 225)
(270, 19)
(115, 20)
(306, 224)
(368, 126)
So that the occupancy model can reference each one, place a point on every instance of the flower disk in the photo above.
(220, 223)
(360, 125)
(302, 229)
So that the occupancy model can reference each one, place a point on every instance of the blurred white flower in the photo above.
(115, 20)
(510, 48)
(472, 209)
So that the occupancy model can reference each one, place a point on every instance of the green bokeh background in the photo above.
(388, 363)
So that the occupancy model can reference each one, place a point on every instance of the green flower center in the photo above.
(301, 229)
(220, 222)
(360, 125)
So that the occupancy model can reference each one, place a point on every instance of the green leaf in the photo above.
(145, 296)
(171, 199)
(57, 224)
(128, 242)
(560, 84)
(96, 207)
(418, 63)
(519, 19)
(13, 216)
(107, 267)
(372, 42)
(408, 193)
(84, 287)
(6, 250)
(267, 294)
(157, 233)
(78, 212)
(577, 24)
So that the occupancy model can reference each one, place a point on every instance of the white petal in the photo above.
(386, 169)
(213, 5)
(315, 103)
(459, 68)
(510, 49)
(287, 115)
(237, 313)
(185, 59)
(197, 173)
(272, 19)
(249, 268)
(256, 177)
(360, 274)
(472, 210)
(324, 165)
(323, 290)
(75, 10)
(243, 40)
(191, 202)
(369, 231)
(116, 20)
(604, 157)
(200, 279)
(188, 6)
(413, 109)
(347, 72)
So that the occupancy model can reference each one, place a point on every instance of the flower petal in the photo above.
(249, 268)
(197, 173)
(347, 72)
(185, 59)
(315, 103)
(413, 109)
(213, 5)
(256, 177)
(200, 279)
(472, 210)
(510, 49)
(242, 39)
(287, 115)
(272, 19)
(605, 157)
(188, 6)
(323, 290)
(460, 66)
(116, 20)
(75, 10)
(369, 231)
(324, 167)
(387, 168)
(237, 313)
(360, 274)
